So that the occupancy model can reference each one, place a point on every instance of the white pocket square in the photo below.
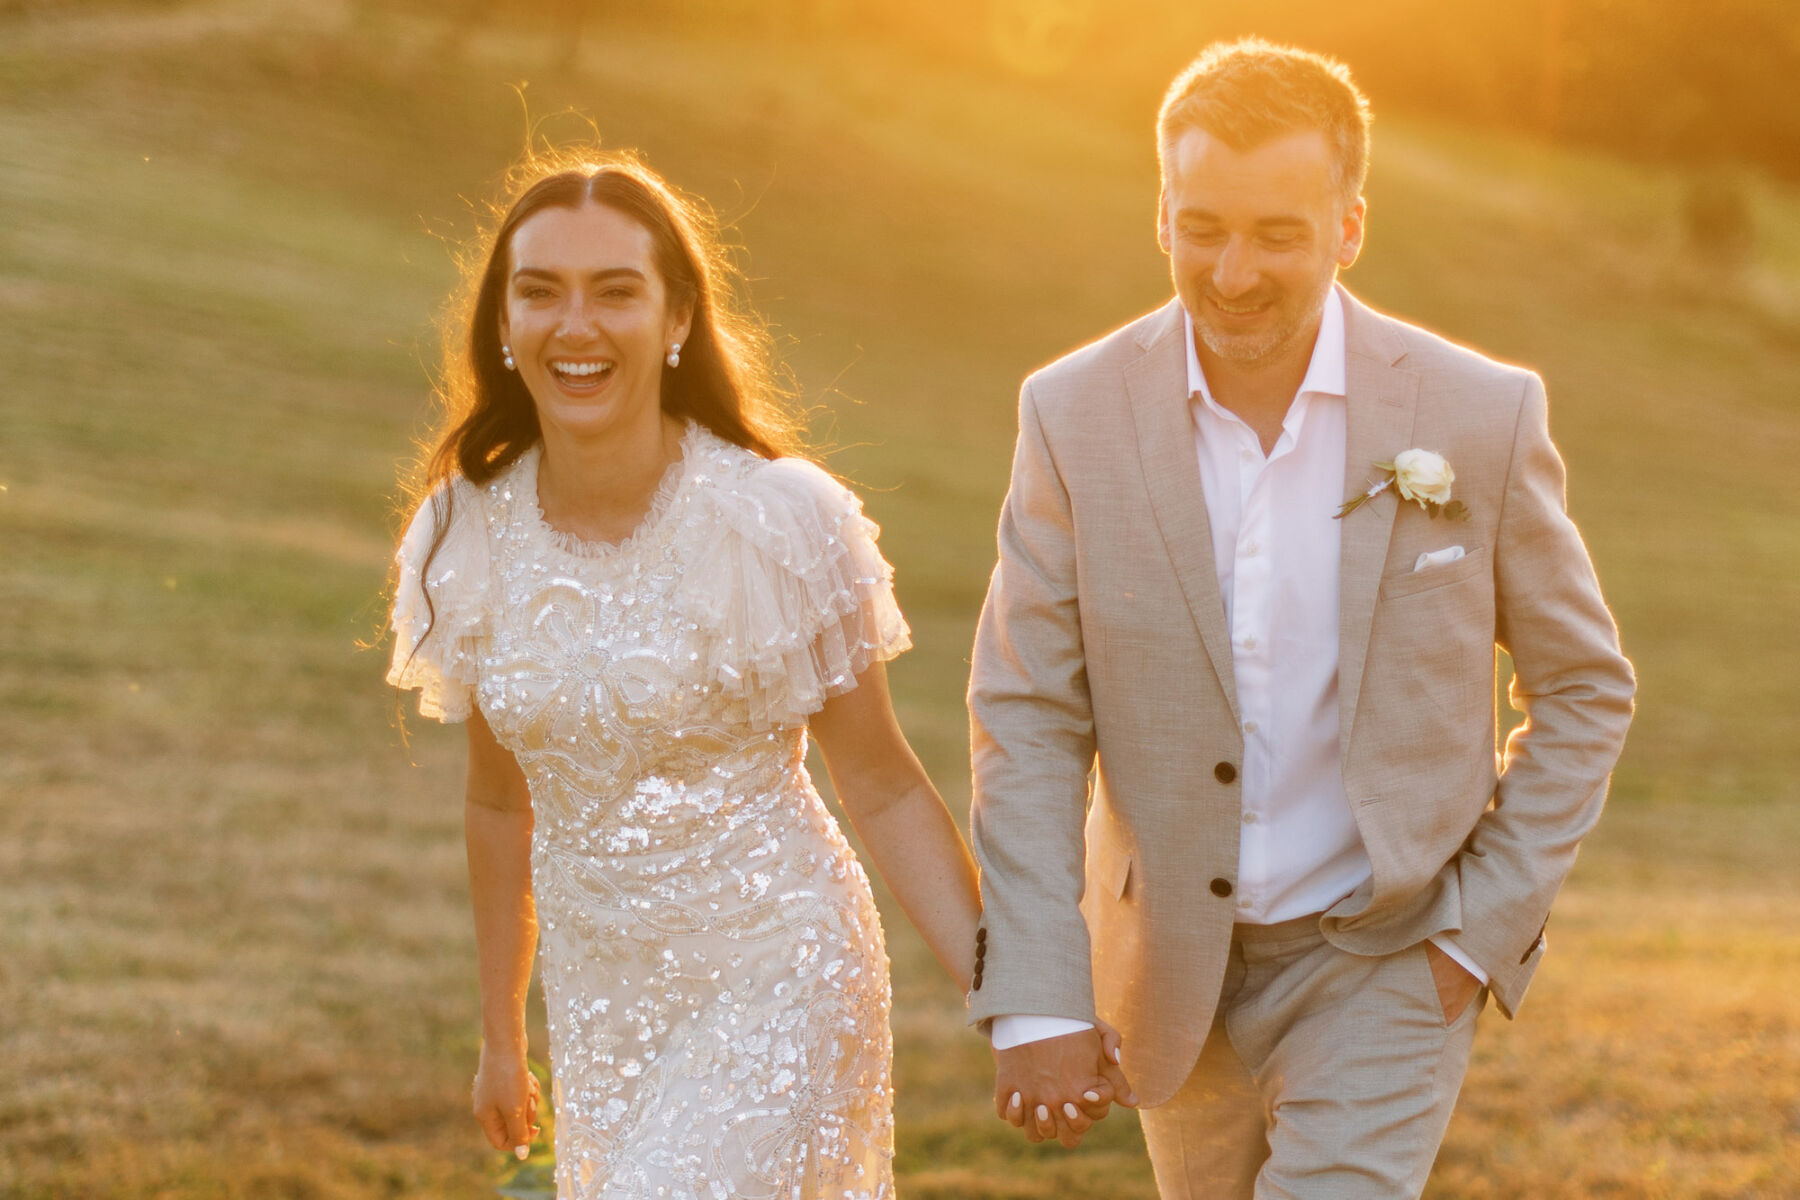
(1437, 558)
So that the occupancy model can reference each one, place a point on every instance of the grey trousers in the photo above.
(1327, 1076)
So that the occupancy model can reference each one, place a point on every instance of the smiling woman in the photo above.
(727, 380)
(587, 315)
(590, 326)
(640, 608)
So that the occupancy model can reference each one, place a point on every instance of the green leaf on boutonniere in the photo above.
(1456, 510)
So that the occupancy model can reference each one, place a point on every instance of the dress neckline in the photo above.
(661, 503)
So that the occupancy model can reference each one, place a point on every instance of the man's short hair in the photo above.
(1249, 92)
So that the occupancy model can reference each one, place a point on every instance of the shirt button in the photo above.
(1249, 818)
(1251, 550)
(1249, 643)
(1249, 726)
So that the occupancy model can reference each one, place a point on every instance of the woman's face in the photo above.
(589, 320)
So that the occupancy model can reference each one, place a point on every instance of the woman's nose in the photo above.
(578, 319)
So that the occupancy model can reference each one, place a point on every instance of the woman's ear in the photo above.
(681, 323)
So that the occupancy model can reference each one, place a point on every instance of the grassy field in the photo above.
(234, 952)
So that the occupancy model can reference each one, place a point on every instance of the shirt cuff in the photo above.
(1443, 942)
(1020, 1028)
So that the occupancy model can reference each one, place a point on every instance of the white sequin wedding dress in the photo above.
(712, 960)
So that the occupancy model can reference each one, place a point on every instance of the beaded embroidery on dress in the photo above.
(712, 959)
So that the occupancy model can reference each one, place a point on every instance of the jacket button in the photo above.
(1221, 887)
(1224, 772)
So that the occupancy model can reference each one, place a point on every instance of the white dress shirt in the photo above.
(1276, 547)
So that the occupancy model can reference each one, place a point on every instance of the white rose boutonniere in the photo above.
(1422, 476)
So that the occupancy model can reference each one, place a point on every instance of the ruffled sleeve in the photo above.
(442, 666)
(790, 591)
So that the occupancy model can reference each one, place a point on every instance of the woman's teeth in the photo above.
(581, 373)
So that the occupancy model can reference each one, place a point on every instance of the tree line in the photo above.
(1671, 81)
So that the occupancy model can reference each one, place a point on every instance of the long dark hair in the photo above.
(728, 380)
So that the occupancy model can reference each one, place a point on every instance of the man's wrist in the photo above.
(1017, 1029)
(1459, 956)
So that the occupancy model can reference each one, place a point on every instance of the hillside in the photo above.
(233, 947)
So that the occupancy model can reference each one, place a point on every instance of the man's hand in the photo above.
(1058, 1087)
(1455, 986)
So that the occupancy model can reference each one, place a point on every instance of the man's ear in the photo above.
(1162, 218)
(1354, 227)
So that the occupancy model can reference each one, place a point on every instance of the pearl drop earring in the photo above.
(674, 357)
(507, 358)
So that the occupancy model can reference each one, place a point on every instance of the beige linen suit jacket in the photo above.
(1105, 733)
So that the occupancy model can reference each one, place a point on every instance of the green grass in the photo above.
(234, 952)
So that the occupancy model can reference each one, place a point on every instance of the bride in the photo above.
(641, 603)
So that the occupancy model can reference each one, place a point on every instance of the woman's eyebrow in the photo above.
(608, 273)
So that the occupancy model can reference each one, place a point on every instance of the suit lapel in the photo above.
(1156, 383)
(1380, 402)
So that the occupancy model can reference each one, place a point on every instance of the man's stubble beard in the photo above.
(1254, 348)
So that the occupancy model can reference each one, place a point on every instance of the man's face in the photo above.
(1254, 240)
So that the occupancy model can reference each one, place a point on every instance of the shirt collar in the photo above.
(1324, 374)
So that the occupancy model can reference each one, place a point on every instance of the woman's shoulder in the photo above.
(449, 526)
(734, 472)
(786, 577)
(439, 612)
(791, 508)
(802, 477)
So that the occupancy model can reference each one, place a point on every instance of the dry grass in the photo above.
(234, 957)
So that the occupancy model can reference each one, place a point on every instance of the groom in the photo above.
(1235, 782)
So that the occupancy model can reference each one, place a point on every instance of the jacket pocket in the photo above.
(1409, 582)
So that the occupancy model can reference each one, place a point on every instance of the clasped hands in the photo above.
(1059, 1087)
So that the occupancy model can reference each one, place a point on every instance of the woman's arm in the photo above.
(917, 849)
(901, 820)
(497, 830)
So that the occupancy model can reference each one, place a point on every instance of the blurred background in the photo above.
(235, 957)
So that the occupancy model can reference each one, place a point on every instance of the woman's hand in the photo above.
(1058, 1087)
(506, 1101)
(1110, 1046)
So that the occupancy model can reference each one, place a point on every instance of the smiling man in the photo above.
(1258, 551)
